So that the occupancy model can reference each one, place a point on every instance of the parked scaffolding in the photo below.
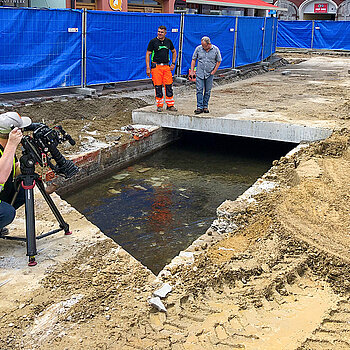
(46, 49)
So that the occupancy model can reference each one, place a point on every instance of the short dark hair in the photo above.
(162, 27)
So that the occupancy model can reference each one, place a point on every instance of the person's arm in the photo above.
(148, 68)
(173, 63)
(193, 64)
(215, 68)
(194, 59)
(6, 161)
(218, 60)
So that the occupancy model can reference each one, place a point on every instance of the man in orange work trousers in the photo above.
(161, 72)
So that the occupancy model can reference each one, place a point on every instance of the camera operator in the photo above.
(10, 136)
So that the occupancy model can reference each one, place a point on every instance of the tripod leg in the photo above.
(30, 223)
(53, 208)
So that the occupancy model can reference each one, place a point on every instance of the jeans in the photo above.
(203, 85)
(8, 212)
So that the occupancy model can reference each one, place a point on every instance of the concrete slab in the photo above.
(229, 125)
(306, 105)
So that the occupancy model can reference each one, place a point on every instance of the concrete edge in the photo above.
(98, 163)
(267, 130)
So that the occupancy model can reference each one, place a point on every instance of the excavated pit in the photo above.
(157, 207)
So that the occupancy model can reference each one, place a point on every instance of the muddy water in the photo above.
(160, 205)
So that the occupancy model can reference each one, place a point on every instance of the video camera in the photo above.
(42, 148)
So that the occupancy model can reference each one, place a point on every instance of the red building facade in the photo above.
(152, 6)
(336, 10)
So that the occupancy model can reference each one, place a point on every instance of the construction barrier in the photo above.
(110, 58)
(116, 43)
(331, 35)
(327, 35)
(269, 39)
(249, 40)
(40, 49)
(221, 31)
(53, 48)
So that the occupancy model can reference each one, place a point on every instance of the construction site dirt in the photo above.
(276, 275)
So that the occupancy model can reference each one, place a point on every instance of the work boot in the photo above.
(198, 111)
(4, 231)
(159, 109)
(171, 108)
(205, 110)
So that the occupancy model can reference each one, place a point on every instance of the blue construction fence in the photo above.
(46, 48)
(116, 43)
(40, 49)
(328, 35)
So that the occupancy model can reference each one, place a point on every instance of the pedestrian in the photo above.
(209, 60)
(159, 67)
(10, 136)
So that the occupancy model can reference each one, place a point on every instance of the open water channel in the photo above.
(161, 204)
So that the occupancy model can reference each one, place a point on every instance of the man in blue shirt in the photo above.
(209, 60)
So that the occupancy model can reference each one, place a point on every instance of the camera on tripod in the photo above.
(42, 149)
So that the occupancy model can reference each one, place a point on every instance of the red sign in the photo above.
(320, 8)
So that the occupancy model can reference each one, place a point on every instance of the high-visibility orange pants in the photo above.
(161, 75)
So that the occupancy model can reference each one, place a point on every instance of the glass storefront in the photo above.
(144, 6)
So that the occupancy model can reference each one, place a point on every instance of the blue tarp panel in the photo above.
(332, 35)
(268, 40)
(294, 34)
(42, 49)
(249, 40)
(220, 30)
(38, 50)
(116, 43)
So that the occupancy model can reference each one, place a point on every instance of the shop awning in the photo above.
(253, 4)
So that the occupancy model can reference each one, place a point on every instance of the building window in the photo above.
(86, 4)
(144, 2)
(15, 3)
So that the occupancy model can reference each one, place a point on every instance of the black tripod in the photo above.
(27, 180)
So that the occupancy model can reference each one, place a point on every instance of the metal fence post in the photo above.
(82, 49)
(181, 41)
(312, 34)
(276, 33)
(84, 25)
(272, 34)
(235, 45)
(263, 42)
